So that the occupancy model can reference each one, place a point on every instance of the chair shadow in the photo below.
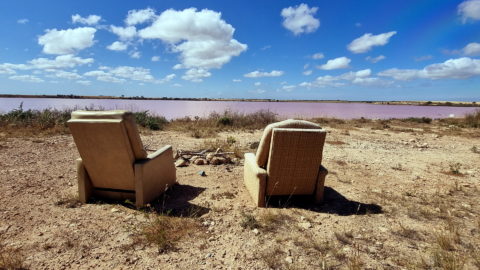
(333, 203)
(175, 202)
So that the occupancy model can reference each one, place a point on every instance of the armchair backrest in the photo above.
(109, 144)
(294, 160)
(263, 150)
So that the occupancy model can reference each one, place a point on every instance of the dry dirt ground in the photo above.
(393, 200)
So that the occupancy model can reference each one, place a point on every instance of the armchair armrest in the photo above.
(154, 175)
(255, 179)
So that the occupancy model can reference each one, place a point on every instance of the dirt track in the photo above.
(393, 201)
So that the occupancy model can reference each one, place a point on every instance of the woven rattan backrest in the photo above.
(294, 160)
(264, 146)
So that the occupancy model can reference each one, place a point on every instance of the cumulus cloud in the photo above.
(135, 54)
(300, 19)
(202, 38)
(367, 41)
(375, 59)
(66, 74)
(60, 62)
(196, 74)
(469, 9)
(90, 20)
(258, 74)
(459, 68)
(167, 78)
(361, 77)
(307, 72)
(67, 41)
(155, 58)
(337, 63)
(472, 49)
(139, 16)
(84, 82)
(317, 56)
(117, 46)
(257, 83)
(124, 33)
(288, 88)
(121, 74)
(26, 78)
(22, 21)
(236, 80)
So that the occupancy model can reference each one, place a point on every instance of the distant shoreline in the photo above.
(393, 102)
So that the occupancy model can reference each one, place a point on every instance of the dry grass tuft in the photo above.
(11, 258)
(165, 231)
(249, 222)
(345, 237)
(272, 219)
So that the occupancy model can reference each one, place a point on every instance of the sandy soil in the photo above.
(393, 201)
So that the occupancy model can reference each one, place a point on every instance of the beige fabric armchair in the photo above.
(113, 162)
(288, 162)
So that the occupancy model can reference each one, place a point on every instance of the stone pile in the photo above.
(204, 157)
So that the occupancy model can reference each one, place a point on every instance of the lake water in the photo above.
(172, 109)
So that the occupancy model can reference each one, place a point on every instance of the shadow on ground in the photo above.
(333, 203)
(176, 202)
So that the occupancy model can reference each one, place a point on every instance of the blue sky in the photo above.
(349, 50)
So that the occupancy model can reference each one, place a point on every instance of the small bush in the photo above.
(473, 119)
(419, 120)
(249, 222)
(146, 120)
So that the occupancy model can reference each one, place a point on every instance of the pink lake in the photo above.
(172, 109)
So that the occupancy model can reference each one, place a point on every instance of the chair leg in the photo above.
(320, 184)
(85, 188)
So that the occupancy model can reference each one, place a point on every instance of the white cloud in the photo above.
(361, 77)
(7, 69)
(177, 85)
(135, 54)
(300, 19)
(202, 38)
(26, 78)
(155, 58)
(258, 74)
(196, 74)
(459, 68)
(358, 24)
(66, 75)
(22, 21)
(307, 72)
(317, 56)
(84, 82)
(288, 88)
(337, 63)
(67, 41)
(236, 80)
(90, 20)
(121, 74)
(139, 16)
(257, 83)
(167, 78)
(375, 59)
(472, 49)
(60, 62)
(367, 41)
(124, 33)
(117, 46)
(257, 91)
(469, 9)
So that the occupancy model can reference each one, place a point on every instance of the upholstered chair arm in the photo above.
(154, 175)
(255, 179)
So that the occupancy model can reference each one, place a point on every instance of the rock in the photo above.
(289, 259)
(236, 161)
(202, 173)
(306, 225)
(210, 156)
(412, 140)
(255, 231)
(218, 161)
(114, 210)
(200, 161)
(181, 162)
